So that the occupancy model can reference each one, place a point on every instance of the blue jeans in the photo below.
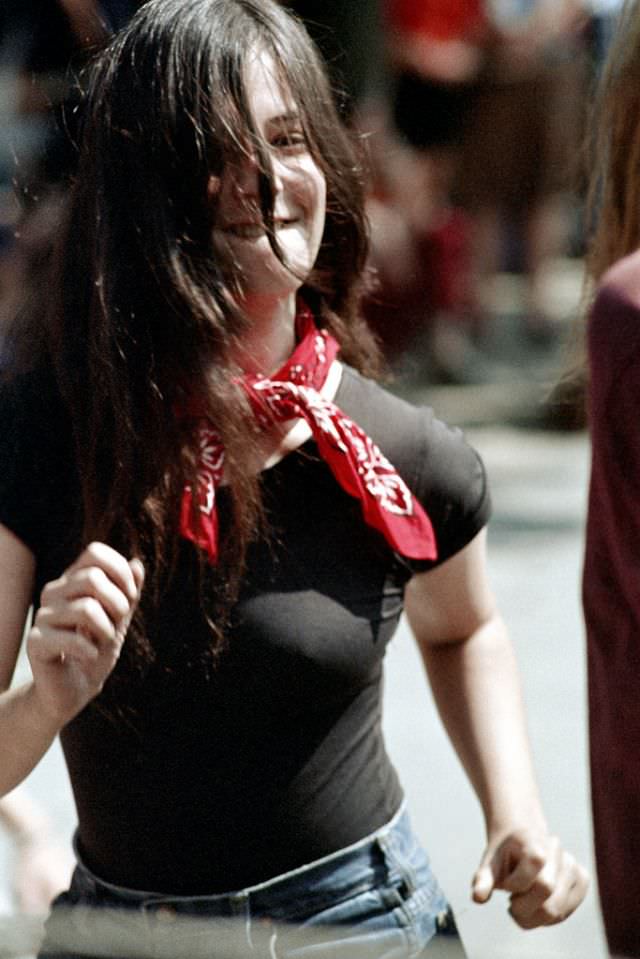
(377, 899)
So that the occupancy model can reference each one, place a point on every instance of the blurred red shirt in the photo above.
(437, 19)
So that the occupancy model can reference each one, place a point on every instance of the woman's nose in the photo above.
(246, 182)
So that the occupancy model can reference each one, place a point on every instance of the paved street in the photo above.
(539, 482)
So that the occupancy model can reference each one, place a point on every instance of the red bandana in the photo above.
(354, 459)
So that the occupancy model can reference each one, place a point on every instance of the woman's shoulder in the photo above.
(443, 471)
(394, 424)
(434, 458)
(387, 416)
(355, 388)
(623, 277)
(616, 305)
(613, 333)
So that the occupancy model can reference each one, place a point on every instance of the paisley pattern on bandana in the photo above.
(357, 463)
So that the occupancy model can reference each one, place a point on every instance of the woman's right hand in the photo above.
(79, 629)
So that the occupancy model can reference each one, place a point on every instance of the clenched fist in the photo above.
(545, 882)
(79, 629)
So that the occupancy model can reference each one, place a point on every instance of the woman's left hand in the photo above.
(545, 882)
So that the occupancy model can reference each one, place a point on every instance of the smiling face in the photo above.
(299, 194)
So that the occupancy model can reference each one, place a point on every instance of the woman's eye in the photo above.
(289, 140)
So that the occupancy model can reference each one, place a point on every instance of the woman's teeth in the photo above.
(251, 231)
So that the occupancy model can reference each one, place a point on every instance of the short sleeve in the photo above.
(450, 482)
(442, 470)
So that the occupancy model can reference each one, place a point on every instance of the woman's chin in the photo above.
(277, 280)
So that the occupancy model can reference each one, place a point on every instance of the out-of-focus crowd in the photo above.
(472, 115)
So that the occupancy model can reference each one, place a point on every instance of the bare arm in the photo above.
(73, 645)
(25, 735)
(474, 677)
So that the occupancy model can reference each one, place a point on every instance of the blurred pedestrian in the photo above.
(604, 18)
(220, 522)
(610, 584)
(348, 37)
(520, 157)
(434, 55)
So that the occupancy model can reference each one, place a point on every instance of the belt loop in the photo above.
(83, 882)
(385, 848)
(397, 858)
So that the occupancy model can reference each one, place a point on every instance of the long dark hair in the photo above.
(141, 312)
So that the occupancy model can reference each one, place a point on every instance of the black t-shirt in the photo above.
(225, 778)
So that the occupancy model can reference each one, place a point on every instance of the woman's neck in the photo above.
(271, 337)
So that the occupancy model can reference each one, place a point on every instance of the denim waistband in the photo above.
(355, 865)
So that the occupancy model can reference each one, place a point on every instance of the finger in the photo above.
(91, 581)
(482, 884)
(570, 888)
(112, 563)
(525, 906)
(137, 570)
(59, 645)
(530, 865)
(85, 615)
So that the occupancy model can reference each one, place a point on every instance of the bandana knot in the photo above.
(357, 463)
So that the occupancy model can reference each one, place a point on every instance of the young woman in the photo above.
(220, 518)
(612, 613)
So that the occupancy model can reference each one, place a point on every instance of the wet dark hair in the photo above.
(143, 314)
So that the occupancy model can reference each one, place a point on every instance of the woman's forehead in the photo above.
(268, 93)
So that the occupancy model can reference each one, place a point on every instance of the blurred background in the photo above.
(472, 116)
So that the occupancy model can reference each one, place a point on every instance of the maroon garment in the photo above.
(611, 596)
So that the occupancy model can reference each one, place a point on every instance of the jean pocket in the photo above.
(423, 910)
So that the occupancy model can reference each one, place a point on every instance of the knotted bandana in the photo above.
(354, 459)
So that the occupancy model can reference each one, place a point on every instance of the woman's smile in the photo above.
(255, 229)
(240, 233)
